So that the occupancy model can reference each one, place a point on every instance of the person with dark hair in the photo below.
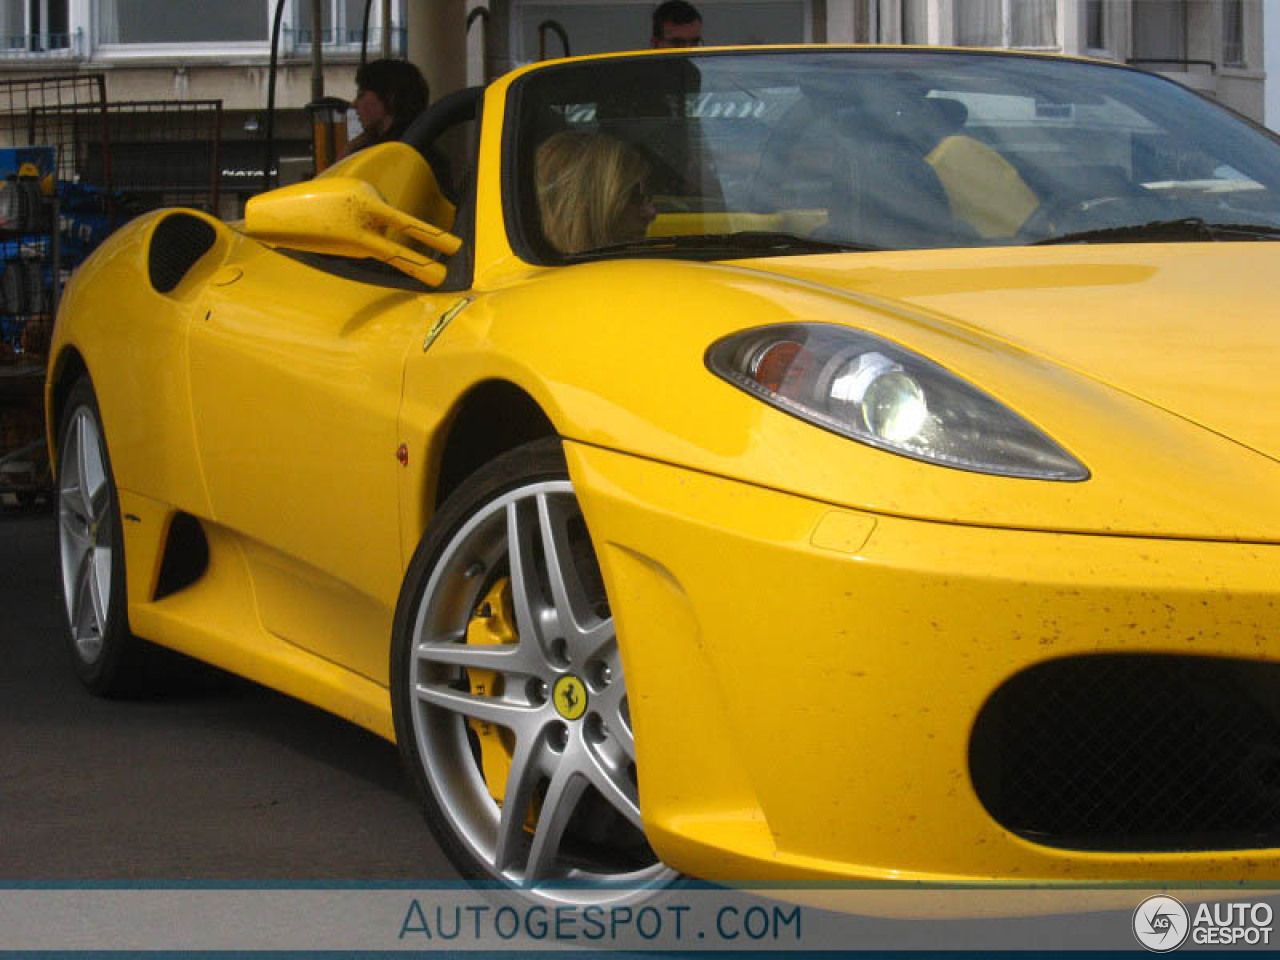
(676, 24)
(389, 96)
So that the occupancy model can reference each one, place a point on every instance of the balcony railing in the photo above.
(298, 40)
(1178, 64)
(42, 46)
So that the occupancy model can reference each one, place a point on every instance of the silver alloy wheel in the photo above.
(565, 658)
(85, 534)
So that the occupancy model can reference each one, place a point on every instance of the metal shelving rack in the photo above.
(112, 161)
(32, 115)
(160, 153)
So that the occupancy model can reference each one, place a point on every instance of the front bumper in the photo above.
(804, 680)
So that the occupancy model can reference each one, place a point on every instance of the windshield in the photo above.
(773, 153)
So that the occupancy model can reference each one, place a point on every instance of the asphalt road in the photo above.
(214, 779)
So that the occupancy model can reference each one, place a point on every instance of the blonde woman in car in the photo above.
(591, 191)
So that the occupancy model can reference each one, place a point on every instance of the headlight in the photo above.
(873, 391)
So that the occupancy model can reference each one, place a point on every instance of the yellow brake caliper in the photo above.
(492, 623)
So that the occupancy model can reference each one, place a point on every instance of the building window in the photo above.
(978, 23)
(34, 25)
(181, 21)
(915, 21)
(1159, 32)
(341, 21)
(866, 26)
(1007, 23)
(1033, 23)
(1094, 26)
(1233, 33)
(241, 22)
(599, 26)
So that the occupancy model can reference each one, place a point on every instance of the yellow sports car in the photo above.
(769, 464)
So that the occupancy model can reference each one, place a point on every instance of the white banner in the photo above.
(346, 918)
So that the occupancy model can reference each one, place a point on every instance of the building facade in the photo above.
(198, 50)
(152, 52)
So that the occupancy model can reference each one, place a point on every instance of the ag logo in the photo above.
(1161, 923)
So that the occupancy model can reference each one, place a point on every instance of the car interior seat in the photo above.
(984, 189)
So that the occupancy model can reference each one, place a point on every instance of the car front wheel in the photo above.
(510, 704)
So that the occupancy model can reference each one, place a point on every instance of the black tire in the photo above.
(109, 660)
(575, 834)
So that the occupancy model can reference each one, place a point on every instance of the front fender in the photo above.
(132, 339)
(614, 352)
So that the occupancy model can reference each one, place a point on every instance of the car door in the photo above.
(296, 372)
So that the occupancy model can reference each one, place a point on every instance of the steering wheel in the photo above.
(1054, 218)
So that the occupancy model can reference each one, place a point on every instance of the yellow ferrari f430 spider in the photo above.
(764, 464)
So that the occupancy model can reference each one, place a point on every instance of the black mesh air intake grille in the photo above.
(1134, 753)
(178, 242)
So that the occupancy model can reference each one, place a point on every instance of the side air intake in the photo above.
(186, 556)
(178, 242)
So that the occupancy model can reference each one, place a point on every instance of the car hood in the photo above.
(1191, 328)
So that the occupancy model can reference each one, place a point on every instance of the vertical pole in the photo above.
(364, 34)
(317, 58)
(270, 145)
(107, 172)
(386, 29)
(55, 253)
(215, 174)
(322, 136)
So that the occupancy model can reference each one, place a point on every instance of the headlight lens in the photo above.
(873, 391)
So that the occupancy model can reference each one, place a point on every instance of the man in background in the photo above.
(676, 24)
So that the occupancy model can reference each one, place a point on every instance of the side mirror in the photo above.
(347, 217)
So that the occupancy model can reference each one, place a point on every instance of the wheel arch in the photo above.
(67, 370)
(491, 418)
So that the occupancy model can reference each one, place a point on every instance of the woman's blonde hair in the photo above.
(584, 182)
